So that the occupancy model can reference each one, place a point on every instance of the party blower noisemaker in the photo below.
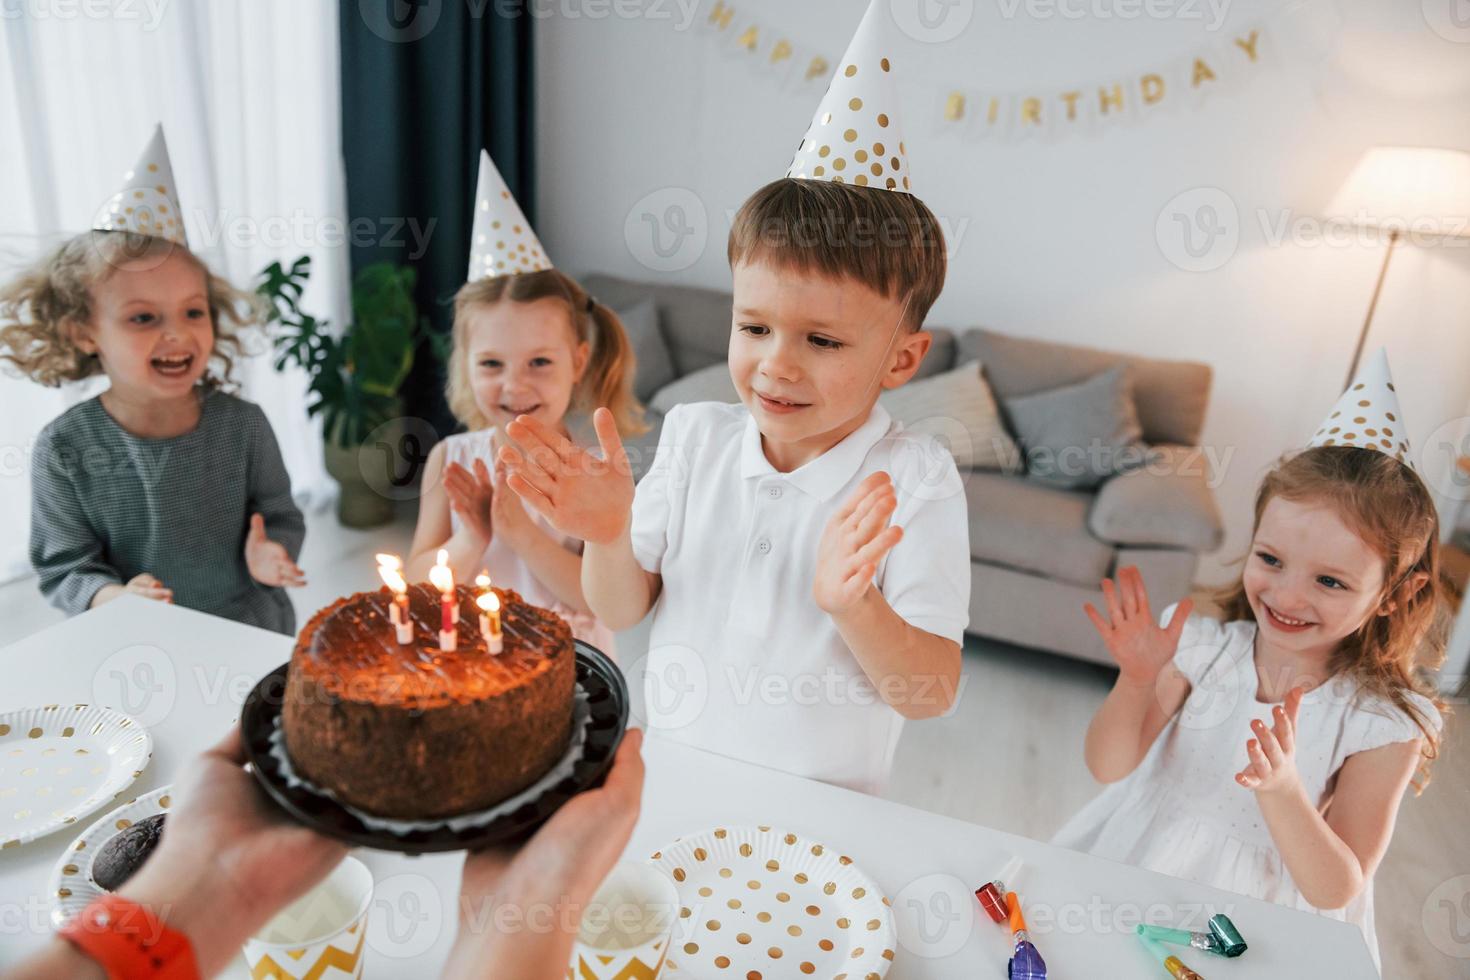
(1223, 939)
(992, 894)
(1172, 963)
(1026, 963)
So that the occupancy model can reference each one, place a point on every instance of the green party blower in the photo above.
(1223, 939)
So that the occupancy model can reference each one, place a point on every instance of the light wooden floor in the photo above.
(1010, 755)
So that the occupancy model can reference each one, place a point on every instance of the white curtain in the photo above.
(249, 97)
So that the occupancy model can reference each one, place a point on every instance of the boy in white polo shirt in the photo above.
(806, 560)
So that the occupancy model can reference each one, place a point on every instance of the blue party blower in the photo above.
(1026, 963)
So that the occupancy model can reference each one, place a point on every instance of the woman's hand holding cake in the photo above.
(555, 872)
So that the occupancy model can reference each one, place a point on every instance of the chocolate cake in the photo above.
(411, 732)
(124, 853)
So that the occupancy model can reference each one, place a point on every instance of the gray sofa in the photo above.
(1038, 553)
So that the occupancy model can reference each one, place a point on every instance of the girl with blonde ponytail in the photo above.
(537, 344)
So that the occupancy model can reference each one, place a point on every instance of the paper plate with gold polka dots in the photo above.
(759, 903)
(72, 888)
(58, 763)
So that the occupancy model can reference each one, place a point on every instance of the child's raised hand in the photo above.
(581, 495)
(1140, 646)
(149, 587)
(1273, 751)
(470, 495)
(267, 560)
(853, 542)
(508, 513)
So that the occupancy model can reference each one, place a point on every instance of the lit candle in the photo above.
(489, 604)
(390, 569)
(443, 578)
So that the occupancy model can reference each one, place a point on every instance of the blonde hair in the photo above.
(1387, 505)
(887, 240)
(608, 378)
(43, 308)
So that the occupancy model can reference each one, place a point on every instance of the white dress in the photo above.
(1181, 812)
(507, 569)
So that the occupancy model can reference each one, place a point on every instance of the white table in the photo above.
(186, 674)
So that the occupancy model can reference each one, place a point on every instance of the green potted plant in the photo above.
(354, 373)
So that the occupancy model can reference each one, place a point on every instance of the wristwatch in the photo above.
(130, 942)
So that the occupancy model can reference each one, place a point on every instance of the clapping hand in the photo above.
(1273, 751)
(580, 494)
(853, 543)
(1140, 646)
(267, 560)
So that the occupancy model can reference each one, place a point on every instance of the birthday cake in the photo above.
(418, 731)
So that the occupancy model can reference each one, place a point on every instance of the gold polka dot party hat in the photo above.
(855, 137)
(148, 201)
(501, 242)
(1367, 415)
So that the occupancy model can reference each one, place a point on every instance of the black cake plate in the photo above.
(607, 697)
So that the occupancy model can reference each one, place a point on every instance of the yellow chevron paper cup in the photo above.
(626, 929)
(320, 935)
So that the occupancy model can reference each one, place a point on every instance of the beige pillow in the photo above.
(957, 408)
(711, 384)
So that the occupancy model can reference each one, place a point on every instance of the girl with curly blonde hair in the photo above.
(165, 485)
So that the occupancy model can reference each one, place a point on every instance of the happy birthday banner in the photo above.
(1016, 113)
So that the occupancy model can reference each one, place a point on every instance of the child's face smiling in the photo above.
(151, 328)
(1310, 579)
(523, 361)
(809, 355)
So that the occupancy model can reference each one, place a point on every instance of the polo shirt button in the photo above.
(774, 492)
(763, 546)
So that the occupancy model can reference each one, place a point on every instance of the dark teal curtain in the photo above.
(425, 85)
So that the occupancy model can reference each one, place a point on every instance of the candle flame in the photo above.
(490, 602)
(390, 570)
(483, 580)
(442, 578)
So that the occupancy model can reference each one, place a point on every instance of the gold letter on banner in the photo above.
(1249, 44)
(1202, 73)
(1108, 100)
(817, 69)
(954, 107)
(1153, 88)
(748, 40)
(1071, 99)
(1031, 111)
(721, 14)
(781, 51)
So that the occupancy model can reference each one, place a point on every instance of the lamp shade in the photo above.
(1413, 188)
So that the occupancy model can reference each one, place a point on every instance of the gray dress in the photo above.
(107, 505)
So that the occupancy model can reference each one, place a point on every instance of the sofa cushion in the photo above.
(957, 408)
(711, 384)
(654, 366)
(695, 322)
(940, 356)
(1171, 396)
(1167, 503)
(1077, 436)
(1022, 524)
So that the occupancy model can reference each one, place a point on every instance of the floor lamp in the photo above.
(1423, 191)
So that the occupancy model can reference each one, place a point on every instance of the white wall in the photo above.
(1059, 237)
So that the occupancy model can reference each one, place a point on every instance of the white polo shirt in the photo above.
(741, 660)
